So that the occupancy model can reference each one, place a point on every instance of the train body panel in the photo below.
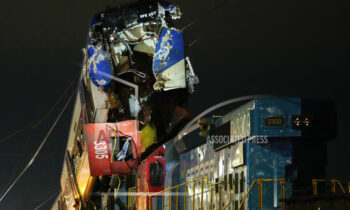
(113, 148)
(258, 140)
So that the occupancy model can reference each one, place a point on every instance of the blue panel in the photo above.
(165, 5)
(263, 159)
(159, 202)
(93, 21)
(183, 166)
(168, 7)
(275, 107)
(99, 61)
(169, 50)
(172, 174)
(91, 51)
(266, 161)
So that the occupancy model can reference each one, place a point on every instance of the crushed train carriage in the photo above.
(135, 81)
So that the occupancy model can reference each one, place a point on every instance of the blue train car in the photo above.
(268, 138)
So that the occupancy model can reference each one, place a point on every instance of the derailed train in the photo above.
(134, 83)
(134, 69)
(268, 139)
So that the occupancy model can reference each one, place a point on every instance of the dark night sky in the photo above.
(283, 47)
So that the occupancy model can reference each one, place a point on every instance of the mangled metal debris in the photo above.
(135, 73)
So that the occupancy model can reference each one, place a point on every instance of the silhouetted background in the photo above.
(283, 47)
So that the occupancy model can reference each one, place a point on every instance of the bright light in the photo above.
(83, 174)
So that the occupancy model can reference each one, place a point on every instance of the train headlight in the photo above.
(301, 122)
(307, 122)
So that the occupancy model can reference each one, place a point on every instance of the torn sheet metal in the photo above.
(134, 106)
(173, 10)
(99, 97)
(137, 37)
(99, 61)
(101, 140)
(124, 152)
(169, 60)
(137, 45)
(191, 77)
(101, 115)
(147, 46)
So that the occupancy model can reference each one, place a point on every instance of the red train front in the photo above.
(150, 179)
(113, 148)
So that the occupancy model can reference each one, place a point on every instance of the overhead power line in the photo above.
(206, 33)
(205, 14)
(47, 200)
(40, 147)
(21, 154)
(38, 122)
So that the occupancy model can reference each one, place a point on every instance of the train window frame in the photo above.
(158, 180)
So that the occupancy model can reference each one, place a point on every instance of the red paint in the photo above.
(98, 137)
(144, 175)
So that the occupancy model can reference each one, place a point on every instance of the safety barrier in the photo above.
(260, 185)
(202, 181)
(334, 183)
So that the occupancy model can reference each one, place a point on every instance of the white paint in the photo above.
(275, 201)
(174, 77)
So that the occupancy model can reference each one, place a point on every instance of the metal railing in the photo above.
(131, 199)
(202, 180)
(334, 183)
(260, 185)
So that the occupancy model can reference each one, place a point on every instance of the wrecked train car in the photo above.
(135, 81)
(135, 70)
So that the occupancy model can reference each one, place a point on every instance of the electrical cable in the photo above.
(47, 200)
(19, 160)
(41, 145)
(36, 123)
(205, 15)
(239, 5)
(43, 195)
